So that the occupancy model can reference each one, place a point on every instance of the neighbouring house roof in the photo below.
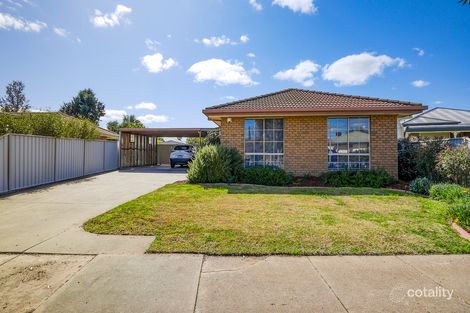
(308, 101)
(439, 119)
(172, 143)
(107, 134)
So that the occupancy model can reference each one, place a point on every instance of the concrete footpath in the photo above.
(49, 264)
(195, 283)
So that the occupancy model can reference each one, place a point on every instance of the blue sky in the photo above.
(164, 61)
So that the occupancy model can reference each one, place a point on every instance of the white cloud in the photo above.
(113, 115)
(60, 32)
(437, 102)
(217, 41)
(8, 21)
(257, 6)
(251, 55)
(419, 51)
(152, 44)
(303, 6)
(222, 72)
(152, 118)
(115, 18)
(356, 69)
(303, 73)
(144, 106)
(420, 83)
(155, 63)
(229, 98)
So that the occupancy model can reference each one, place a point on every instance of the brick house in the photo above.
(312, 132)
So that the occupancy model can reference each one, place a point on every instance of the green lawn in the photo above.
(256, 220)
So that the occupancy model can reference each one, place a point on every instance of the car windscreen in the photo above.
(182, 148)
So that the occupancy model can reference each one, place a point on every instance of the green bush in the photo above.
(427, 159)
(407, 160)
(47, 124)
(269, 176)
(460, 213)
(419, 159)
(454, 164)
(421, 185)
(450, 193)
(373, 178)
(215, 164)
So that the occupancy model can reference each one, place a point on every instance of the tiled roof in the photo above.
(295, 100)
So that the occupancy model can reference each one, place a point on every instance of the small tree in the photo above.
(14, 100)
(128, 121)
(454, 164)
(212, 138)
(84, 105)
(113, 126)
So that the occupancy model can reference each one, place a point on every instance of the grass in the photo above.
(258, 220)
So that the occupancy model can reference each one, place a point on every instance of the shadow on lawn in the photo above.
(327, 191)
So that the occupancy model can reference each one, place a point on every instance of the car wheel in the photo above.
(172, 165)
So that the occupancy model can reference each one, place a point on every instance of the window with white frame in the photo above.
(348, 143)
(264, 142)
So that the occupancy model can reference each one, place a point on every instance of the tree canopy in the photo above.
(15, 99)
(84, 105)
(128, 121)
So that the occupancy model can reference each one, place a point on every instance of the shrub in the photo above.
(460, 213)
(454, 164)
(215, 164)
(47, 124)
(269, 176)
(407, 159)
(427, 159)
(450, 193)
(421, 185)
(373, 178)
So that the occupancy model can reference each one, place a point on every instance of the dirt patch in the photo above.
(28, 280)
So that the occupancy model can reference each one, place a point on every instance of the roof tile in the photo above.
(298, 99)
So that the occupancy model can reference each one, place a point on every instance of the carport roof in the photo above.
(168, 132)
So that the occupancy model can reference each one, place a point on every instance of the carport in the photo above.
(139, 146)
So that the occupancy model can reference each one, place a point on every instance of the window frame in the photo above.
(264, 141)
(348, 154)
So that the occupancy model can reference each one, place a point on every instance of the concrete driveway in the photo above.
(49, 264)
(48, 220)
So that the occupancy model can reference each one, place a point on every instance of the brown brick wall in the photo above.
(383, 143)
(232, 134)
(306, 140)
(306, 145)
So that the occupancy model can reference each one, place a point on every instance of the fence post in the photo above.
(55, 159)
(8, 162)
(104, 155)
(84, 156)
